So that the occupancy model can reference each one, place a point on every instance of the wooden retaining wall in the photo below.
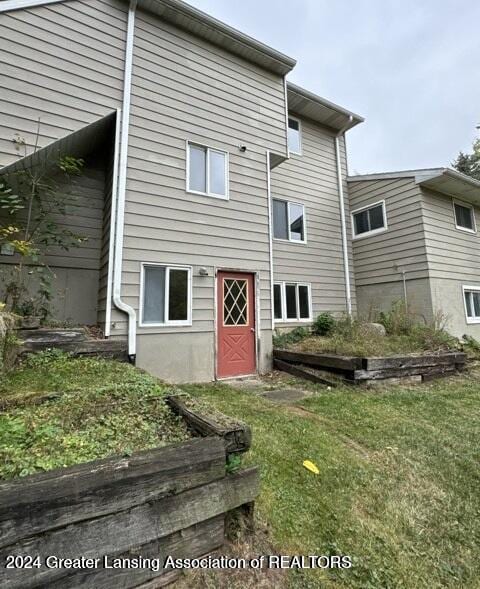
(166, 501)
(360, 370)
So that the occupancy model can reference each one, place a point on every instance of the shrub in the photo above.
(290, 337)
(397, 321)
(323, 324)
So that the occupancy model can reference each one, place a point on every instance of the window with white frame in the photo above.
(288, 221)
(369, 220)
(207, 171)
(166, 295)
(464, 216)
(471, 297)
(291, 301)
(294, 136)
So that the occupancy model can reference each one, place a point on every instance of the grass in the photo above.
(59, 411)
(398, 484)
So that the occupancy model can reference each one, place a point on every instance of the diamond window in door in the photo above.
(235, 301)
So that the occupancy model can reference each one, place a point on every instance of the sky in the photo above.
(411, 68)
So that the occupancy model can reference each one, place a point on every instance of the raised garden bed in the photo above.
(169, 501)
(153, 503)
(358, 370)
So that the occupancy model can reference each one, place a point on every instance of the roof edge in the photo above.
(356, 119)
(421, 176)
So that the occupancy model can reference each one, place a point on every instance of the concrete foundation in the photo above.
(189, 357)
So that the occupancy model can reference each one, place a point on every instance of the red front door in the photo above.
(235, 324)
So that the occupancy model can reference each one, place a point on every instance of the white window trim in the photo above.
(283, 301)
(290, 240)
(375, 231)
(466, 288)
(467, 206)
(299, 136)
(166, 323)
(209, 149)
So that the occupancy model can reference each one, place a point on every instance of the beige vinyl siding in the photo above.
(75, 67)
(452, 253)
(403, 243)
(184, 88)
(311, 179)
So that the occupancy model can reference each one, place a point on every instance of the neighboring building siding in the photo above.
(71, 76)
(76, 272)
(453, 260)
(311, 179)
(403, 243)
(186, 89)
(452, 253)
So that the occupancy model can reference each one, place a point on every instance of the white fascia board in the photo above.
(10, 5)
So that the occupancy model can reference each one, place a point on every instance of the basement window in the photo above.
(292, 302)
(294, 136)
(207, 171)
(369, 220)
(166, 295)
(288, 221)
(464, 217)
(471, 296)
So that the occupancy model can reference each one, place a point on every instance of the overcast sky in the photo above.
(410, 67)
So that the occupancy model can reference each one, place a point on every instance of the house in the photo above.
(214, 193)
(414, 236)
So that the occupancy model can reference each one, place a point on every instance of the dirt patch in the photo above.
(286, 395)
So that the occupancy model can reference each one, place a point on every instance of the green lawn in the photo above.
(96, 408)
(399, 485)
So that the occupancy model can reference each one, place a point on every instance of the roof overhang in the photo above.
(77, 144)
(200, 24)
(320, 110)
(453, 183)
(444, 180)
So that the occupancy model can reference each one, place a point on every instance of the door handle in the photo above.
(252, 329)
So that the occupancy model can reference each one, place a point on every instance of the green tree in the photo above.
(469, 163)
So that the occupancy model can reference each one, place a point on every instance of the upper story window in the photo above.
(207, 171)
(166, 295)
(291, 302)
(288, 221)
(294, 136)
(369, 220)
(471, 295)
(464, 217)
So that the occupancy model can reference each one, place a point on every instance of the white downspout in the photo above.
(346, 266)
(270, 237)
(113, 219)
(122, 181)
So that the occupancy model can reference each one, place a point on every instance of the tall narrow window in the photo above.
(371, 219)
(464, 217)
(207, 171)
(288, 221)
(277, 301)
(291, 302)
(166, 295)
(294, 136)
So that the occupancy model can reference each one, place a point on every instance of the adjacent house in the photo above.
(414, 236)
(214, 194)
